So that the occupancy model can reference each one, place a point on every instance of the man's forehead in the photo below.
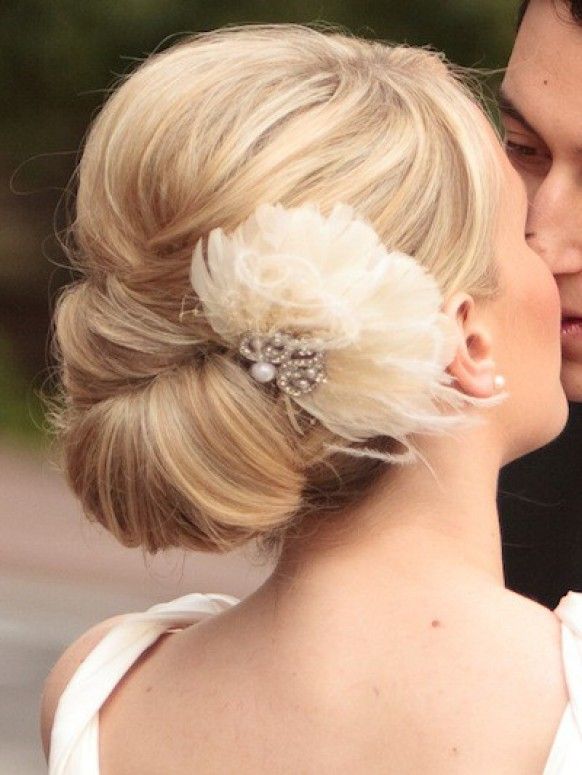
(542, 85)
(548, 49)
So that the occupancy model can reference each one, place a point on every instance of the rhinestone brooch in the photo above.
(296, 369)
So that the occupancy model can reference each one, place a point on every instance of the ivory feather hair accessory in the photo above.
(353, 332)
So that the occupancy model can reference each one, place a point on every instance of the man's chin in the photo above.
(572, 380)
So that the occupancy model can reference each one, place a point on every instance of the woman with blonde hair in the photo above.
(307, 316)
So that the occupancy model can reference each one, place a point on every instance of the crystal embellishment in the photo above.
(300, 361)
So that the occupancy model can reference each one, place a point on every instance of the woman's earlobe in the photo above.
(475, 377)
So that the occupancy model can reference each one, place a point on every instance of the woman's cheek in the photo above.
(545, 306)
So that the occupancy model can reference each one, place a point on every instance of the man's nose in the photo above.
(554, 224)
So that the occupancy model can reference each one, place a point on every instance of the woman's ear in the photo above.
(473, 367)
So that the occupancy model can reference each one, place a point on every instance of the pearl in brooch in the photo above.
(263, 372)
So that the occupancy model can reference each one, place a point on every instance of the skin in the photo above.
(391, 620)
(541, 106)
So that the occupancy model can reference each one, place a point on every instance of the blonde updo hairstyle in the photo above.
(165, 439)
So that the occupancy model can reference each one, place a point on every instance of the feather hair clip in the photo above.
(352, 331)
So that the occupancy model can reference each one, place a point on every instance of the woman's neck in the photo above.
(418, 527)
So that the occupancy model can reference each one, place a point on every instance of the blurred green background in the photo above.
(59, 58)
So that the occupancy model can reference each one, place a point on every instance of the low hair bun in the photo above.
(196, 458)
(166, 438)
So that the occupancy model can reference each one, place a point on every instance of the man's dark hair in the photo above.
(575, 7)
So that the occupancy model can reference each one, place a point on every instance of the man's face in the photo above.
(541, 106)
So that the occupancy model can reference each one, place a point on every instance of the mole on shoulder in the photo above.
(436, 623)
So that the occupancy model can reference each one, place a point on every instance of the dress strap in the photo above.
(75, 734)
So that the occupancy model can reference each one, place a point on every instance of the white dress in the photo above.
(75, 734)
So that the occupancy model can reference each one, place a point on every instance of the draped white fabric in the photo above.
(566, 754)
(75, 734)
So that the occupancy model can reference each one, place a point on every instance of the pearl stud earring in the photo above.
(499, 382)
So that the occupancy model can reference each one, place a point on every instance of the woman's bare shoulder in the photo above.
(502, 667)
(507, 635)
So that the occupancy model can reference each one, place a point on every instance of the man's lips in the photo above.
(572, 325)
